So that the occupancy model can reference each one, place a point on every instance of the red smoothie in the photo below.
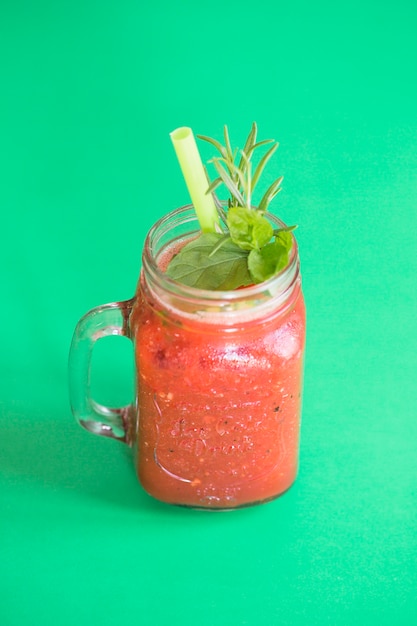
(219, 404)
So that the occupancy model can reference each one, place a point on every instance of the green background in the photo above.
(89, 93)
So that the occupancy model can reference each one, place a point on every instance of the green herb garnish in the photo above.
(205, 264)
(248, 250)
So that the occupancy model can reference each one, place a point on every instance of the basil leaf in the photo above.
(271, 259)
(197, 266)
(248, 228)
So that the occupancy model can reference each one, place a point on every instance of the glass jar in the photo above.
(216, 420)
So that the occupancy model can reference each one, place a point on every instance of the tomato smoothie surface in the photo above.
(218, 323)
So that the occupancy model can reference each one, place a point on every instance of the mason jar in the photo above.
(218, 379)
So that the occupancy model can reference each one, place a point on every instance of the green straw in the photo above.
(195, 178)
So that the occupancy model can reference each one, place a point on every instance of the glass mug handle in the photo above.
(102, 321)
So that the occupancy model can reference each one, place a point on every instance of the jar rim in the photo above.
(186, 214)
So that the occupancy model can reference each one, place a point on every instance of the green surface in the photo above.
(89, 94)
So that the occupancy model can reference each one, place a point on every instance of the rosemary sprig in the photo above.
(238, 177)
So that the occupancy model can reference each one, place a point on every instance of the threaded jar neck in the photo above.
(227, 308)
